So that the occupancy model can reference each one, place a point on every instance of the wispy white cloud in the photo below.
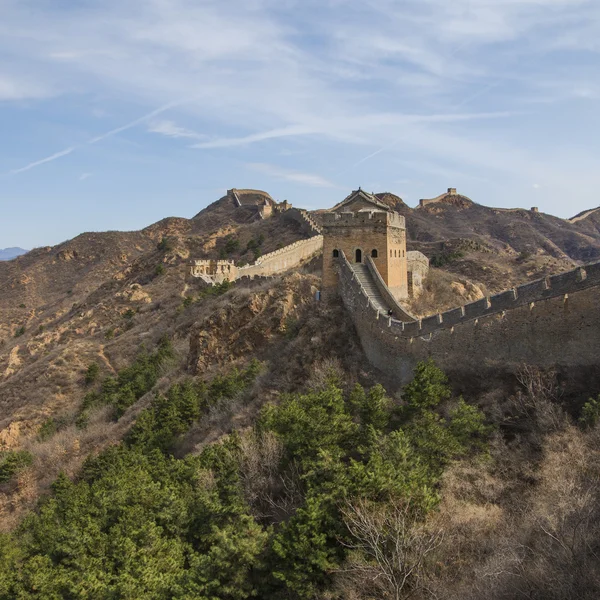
(42, 161)
(276, 172)
(96, 139)
(133, 123)
(292, 130)
(171, 129)
(358, 89)
(17, 88)
(85, 176)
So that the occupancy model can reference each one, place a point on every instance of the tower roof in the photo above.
(362, 199)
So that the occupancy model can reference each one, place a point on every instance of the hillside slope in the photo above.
(101, 296)
(213, 442)
(62, 306)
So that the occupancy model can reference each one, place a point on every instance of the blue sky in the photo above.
(115, 114)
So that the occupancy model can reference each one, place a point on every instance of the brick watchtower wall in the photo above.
(378, 234)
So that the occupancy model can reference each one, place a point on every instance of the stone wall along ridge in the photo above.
(235, 197)
(284, 258)
(581, 278)
(550, 323)
(304, 219)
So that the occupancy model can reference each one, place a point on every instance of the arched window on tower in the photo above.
(358, 255)
(390, 254)
(374, 253)
(336, 253)
(395, 254)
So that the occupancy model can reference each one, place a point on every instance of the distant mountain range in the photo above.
(10, 253)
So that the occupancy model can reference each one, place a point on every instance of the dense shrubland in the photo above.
(271, 511)
(335, 492)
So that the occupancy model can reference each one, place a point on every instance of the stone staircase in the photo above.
(316, 230)
(366, 280)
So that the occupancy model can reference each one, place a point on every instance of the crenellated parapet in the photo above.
(278, 261)
(525, 295)
(284, 258)
(362, 218)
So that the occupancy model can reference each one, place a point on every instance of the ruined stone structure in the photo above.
(451, 196)
(362, 227)
(216, 271)
(265, 207)
(418, 267)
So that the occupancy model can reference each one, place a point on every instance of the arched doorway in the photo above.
(358, 255)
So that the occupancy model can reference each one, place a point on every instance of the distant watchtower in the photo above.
(361, 226)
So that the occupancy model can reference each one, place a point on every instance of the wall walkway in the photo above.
(283, 259)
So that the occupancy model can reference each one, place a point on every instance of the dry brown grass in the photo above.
(443, 291)
(528, 529)
(65, 452)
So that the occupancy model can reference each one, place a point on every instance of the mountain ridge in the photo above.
(83, 325)
(77, 292)
(10, 253)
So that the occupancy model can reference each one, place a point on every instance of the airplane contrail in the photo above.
(95, 139)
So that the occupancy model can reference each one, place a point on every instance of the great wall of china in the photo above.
(283, 259)
(552, 322)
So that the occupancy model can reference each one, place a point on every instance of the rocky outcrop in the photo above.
(247, 319)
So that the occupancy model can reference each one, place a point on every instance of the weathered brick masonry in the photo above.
(554, 322)
(279, 261)
(283, 259)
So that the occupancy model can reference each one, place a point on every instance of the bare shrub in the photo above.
(324, 372)
(389, 549)
(443, 291)
(538, 401)
(273, 493)
(553, 551)
(65, 450)
(539, 541)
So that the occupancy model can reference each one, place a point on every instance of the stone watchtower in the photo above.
(361, 226)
